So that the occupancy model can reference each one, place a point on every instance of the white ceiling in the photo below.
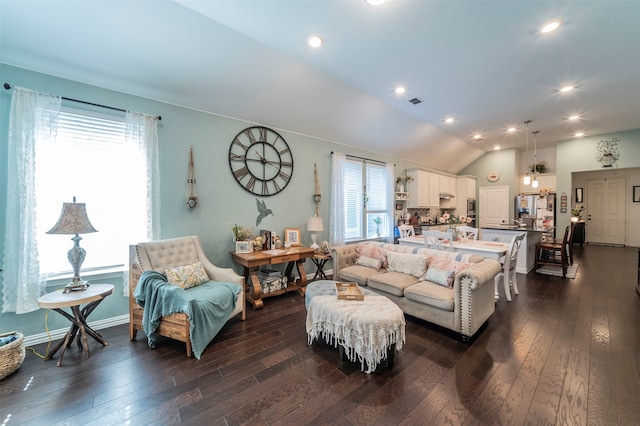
(483, 62)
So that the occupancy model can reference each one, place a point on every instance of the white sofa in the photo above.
(463, 308)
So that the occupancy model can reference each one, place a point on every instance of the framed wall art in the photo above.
(243, 247)
(636, 194)
(292, 236)
(579, 198)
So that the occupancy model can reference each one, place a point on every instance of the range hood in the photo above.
(446, 196)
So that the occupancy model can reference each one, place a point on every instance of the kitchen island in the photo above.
(527, 254)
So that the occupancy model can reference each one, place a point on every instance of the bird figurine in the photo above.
(263, 211)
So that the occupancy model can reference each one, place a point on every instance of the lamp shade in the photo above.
(314, 224)
(73, 220)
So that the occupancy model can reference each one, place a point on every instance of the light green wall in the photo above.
(221, 200)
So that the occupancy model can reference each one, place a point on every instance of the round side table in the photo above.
(90, 298)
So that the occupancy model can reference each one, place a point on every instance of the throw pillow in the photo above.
(369, 262)
(410, 264)
(443, 271)
(187, 276)
(373, 251)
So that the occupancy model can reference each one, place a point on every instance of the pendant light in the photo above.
(527, 178)
(534, 182)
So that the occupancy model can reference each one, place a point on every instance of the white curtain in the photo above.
(32, 119)
(336, 221)
(142, 131)
(391, 200)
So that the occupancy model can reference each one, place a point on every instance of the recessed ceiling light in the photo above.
(496, 148)
(551, 26)
(579, 135)
(315, 41)
(566, 89)
(511, 129)
(375, 2)
(477, 137)
(574, 117)
(449, 120)
(400, 90)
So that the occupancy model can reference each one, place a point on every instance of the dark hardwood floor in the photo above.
(565, 351)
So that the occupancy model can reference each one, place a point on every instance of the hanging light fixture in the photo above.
(527, 178)
(534, 182)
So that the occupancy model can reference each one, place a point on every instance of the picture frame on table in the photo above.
(244, 247)
(636, 194)
(579, 196)
(292, 236)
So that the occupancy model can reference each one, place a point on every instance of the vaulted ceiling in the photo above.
(484, 63)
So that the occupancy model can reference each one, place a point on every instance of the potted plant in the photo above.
(377, 221)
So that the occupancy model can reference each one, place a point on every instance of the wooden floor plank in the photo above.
(564, 351)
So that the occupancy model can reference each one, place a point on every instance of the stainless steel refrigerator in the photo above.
(534, 209)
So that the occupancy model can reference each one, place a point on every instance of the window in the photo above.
(366, 200)
(90, 159)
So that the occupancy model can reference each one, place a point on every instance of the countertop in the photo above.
(519, 229)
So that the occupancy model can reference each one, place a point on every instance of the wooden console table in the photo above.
(294, 256)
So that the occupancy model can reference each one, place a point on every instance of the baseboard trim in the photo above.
(60, 333)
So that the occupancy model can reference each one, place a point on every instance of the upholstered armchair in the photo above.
(171, 253)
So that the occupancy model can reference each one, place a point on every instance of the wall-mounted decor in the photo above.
(563, 203)
(636, 194)
(261, 161)
(607, 152)
(192, 194)
(263, 211)
(579, 195)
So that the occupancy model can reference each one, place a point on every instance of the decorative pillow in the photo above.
(369, 262)
(439, 276)
(187, 276)
(443, 271)
(411, 264)
(373, 251)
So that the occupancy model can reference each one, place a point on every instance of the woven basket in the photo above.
(11, 355)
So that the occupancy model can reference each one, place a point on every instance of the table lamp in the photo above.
(314, 225)
(74, 220)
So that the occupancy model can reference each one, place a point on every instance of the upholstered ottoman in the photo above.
(368, 331)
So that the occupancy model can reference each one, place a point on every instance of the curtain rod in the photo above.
(365, 159)
(7, 86)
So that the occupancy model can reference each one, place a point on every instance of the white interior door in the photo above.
(606, 214)
(494, 206)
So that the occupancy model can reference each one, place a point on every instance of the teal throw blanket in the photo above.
(208, 306)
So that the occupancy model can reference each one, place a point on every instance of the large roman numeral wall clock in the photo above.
(261, 160)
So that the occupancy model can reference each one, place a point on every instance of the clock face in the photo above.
(261, 161)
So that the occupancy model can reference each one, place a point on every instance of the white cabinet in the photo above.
(466, 188)
(444, 184)
(418, 189)
(434, 190)
(546, 180)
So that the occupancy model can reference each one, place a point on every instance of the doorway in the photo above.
(494, 206)
(606, 212)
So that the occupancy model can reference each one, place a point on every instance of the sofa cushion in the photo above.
(411, 264)
(369, 262)
(373, 251)
(443, 271)
(431, 294)
(358, 273)
(392, 282)
(187, 276)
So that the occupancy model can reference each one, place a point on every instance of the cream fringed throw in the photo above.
(366, 329)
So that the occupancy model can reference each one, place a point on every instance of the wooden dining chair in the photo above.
(508, 272)
(406, 231)
(437, 240)
(467, 232)
(554, 253)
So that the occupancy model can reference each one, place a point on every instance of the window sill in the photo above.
(61, 279)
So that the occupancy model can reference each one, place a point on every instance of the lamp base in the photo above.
(314, 243)
(80, 285)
